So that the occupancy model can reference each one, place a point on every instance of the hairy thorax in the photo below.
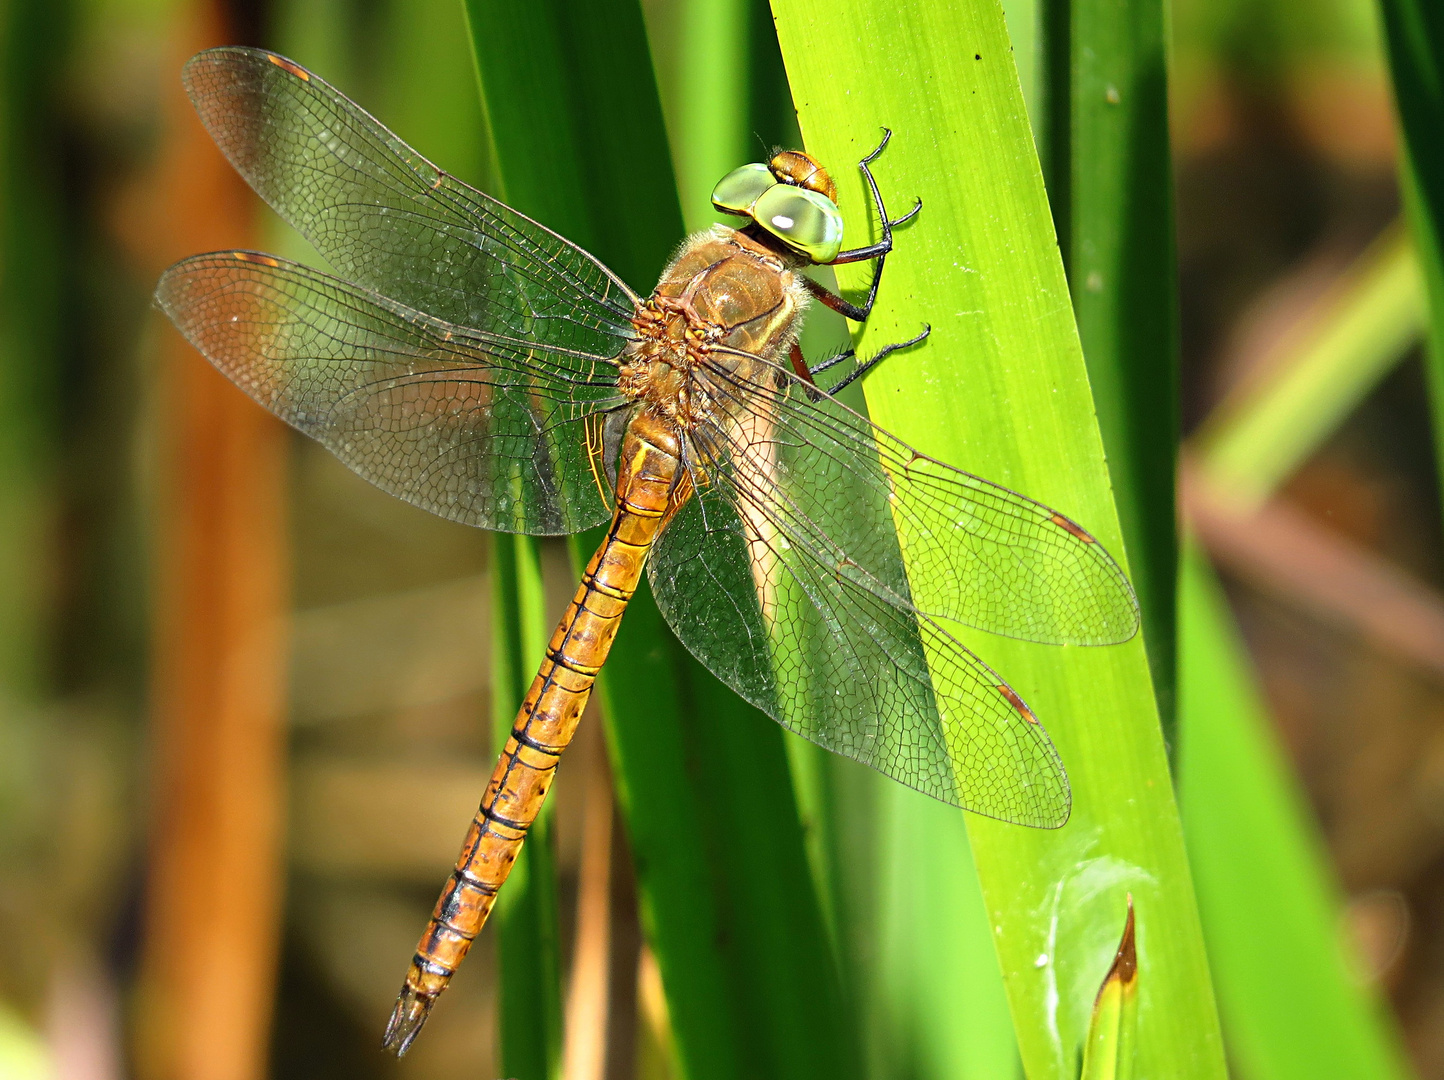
(724, 303)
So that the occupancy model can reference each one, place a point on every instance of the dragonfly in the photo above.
(478, 365)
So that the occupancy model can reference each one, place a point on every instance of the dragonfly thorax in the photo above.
(656, 366)
(721, 315)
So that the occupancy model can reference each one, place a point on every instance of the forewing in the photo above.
(993, 559)
(390, 220)
(476, 427)
(846, 667)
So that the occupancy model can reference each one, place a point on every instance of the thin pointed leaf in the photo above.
(1110, 185)
(1291, 1000)
(1414, 36)
(1365, 326)
(1109, 1050)
(1001, 389)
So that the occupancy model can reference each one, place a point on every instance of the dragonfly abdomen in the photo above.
(545, 724)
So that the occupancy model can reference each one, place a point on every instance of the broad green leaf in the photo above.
(1001, 389)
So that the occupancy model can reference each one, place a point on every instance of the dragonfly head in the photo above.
(804, 171)
(791, 198)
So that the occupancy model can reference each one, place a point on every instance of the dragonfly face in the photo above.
(476, 364)
(791, 200)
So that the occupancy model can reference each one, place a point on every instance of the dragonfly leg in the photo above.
(831, 362)
(803, 372)
(878, 251)
(800, 368)
(865, 366)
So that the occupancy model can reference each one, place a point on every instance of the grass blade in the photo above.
(1110, 184)
(942, 1010)
(1251, 443)
(710, 135)
(1108, 1053)
(1001, 389)
(1291, 999)
(1292, 1004)
(1414, 37)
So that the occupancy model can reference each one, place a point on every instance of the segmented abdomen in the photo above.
(544, 726)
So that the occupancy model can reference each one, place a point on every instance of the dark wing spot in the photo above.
(286, 65)
(1017, 703)
(1074, 528)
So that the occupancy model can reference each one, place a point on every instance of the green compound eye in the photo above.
(738, 190)
(804, 220)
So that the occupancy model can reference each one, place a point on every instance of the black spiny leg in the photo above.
(878, 251)
(865, 366)
(858, 312)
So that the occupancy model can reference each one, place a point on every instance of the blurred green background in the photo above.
(246, 700)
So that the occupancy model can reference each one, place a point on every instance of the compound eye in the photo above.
(738, 190)
(806, 221)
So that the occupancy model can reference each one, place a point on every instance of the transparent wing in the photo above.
(993, 559)
(476, 427)
(390, 220)
(848, 668)
(788, 577)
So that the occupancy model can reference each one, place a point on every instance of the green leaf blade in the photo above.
(1414, 39)
(1001, 389)
(1290, 994)
(1251, 444)
(1118, 242)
